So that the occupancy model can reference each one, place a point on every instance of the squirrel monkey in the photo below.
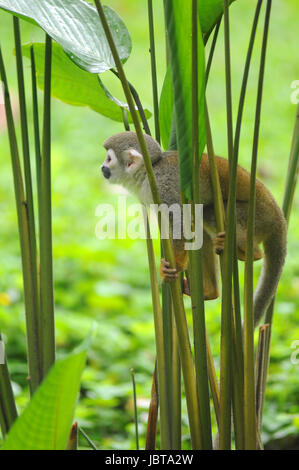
(124, 165)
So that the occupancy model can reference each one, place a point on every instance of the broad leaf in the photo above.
(46, 422)
(74, 86)
(179, 27)
(209, 13)
(76, 26)
(166, 109)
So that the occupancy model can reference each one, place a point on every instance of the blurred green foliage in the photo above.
(105, 284)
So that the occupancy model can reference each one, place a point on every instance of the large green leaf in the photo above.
(166, 109)
(46, 422)
(74, 86)
(179, 27)
(209, 12)
(76, 26)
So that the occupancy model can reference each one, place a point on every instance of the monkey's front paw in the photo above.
(219, 243)
(167, 273)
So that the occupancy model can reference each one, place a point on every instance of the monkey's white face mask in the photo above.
(122, 170)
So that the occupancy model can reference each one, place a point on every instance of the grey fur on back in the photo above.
(121, 144)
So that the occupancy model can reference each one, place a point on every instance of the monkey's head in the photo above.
(124, 158)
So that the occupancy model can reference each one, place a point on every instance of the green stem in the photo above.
(36, 122)
(292, 178)
(154, 70)
(197, 289)
(181, 323)
(45, 220)
(238, 377)
(226, 316)
(138, 104)
(293, 171)
(87, 438)
(165, 417)
(151, 432)
(24, 234)
(261, 370)
(28, 179)
(249, 378)
(176, 393)
(8, 410)
(135, 409)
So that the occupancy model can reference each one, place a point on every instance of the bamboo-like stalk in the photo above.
(291, 182)
(35, 121)
(165, 418)
(213, 382)
(218, 200)
(238, 340)
(226, 315)
(37, 144)
(154, 69)
(135, 408)
(212, 50)
(72, 443)
(8, 409)
(249, 377)
(151, 432)
(176, 393)
(219, 214)
(173, 372)
(27, 179)
(180, 317)
(261, 370)
(87, 438)
(135, 95)
(196, 273)
(45, 225)
(24, 234)
(293, 171)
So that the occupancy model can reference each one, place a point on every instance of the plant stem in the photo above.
(8, 410)
(290, 187)
(154, 70)
(293, 171)
(261, 370)
(24, 234)
(226, 316)
(135, 408)
(197, 290)
(45, 220)
(87, 438)
(212, 50)
(249, 379)
(28, 178)
(180, 317)
(36, 122)
(165, 418)
(238, 377)
(138, 104)
(151, 431)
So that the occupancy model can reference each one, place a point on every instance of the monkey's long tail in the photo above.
(275, 254)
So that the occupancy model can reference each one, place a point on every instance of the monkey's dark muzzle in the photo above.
(106, 172)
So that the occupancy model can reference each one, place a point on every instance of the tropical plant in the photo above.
(70, 69)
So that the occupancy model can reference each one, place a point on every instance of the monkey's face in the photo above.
(121, 167)
(110, 165)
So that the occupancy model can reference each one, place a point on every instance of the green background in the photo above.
(105, 284)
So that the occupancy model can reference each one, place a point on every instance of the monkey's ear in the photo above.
(133, 160)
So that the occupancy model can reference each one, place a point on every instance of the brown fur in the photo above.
(270, 225)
